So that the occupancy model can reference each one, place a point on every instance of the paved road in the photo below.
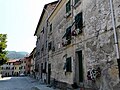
(17, 83)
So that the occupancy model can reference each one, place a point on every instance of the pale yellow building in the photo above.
(17, 68)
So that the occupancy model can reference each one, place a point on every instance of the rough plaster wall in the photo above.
(99, 42)
(42, 40)
(56, 58)
(117, 11)
(96, 41)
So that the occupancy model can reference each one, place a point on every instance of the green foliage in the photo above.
(3, 52)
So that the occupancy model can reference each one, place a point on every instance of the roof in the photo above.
(32, 51)
(45, 6)
(12, 61)
(17, 63)
(55, 8)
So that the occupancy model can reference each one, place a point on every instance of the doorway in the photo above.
(79, 66)
(49, 72)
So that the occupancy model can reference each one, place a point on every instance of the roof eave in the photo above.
(45, 6)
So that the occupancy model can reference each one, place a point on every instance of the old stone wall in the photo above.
(96, 42)
(57, 59)
(99, 42)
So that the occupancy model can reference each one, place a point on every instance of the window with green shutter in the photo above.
(68, 31)
(78, 21)
(49, 46)
(76, 1)
(50, 27)
(68, 35)
(68, 6)
(68, 65)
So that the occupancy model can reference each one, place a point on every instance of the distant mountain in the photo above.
(16, 55)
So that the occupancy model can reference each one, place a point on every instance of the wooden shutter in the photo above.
(78, 21)
(68, 6)
(68, 65)
(76, 1)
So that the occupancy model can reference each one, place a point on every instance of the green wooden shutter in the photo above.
(76, 1)
(68, 6)
(68, 33)
(50, 27)
(78, 21)
(68, 65)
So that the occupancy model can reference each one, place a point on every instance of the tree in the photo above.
(3, 52)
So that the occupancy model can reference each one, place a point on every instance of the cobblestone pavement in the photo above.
(18, 83)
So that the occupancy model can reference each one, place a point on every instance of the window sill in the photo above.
(68, 14)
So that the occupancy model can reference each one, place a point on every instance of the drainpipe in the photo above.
(115, 35)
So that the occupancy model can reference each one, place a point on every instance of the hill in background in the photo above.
(16, 55)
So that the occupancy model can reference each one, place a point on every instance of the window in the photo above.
(50, 27)
(68, 31)
(49, 46)
(45, 66)
(68, 65)
(42, 48)
(76, 1)
(68, 7)
(42, 31)
(38, 52)
(68, 35)
(78, 21)
(41, 66)
(29, 60)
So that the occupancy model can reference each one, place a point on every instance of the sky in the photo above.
(19, 19)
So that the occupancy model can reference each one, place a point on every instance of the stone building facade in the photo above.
(42, 42)
(83, 44)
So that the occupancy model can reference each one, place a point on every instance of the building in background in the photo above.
(33, 57)
(23, 65)
(42, 42)
(17, 68)
(28, 65)
(8, 68)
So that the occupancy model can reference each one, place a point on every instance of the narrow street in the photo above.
(17, 83)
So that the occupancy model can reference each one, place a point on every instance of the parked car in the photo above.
(22, 74)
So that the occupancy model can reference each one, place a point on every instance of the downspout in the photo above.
(115, 35)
